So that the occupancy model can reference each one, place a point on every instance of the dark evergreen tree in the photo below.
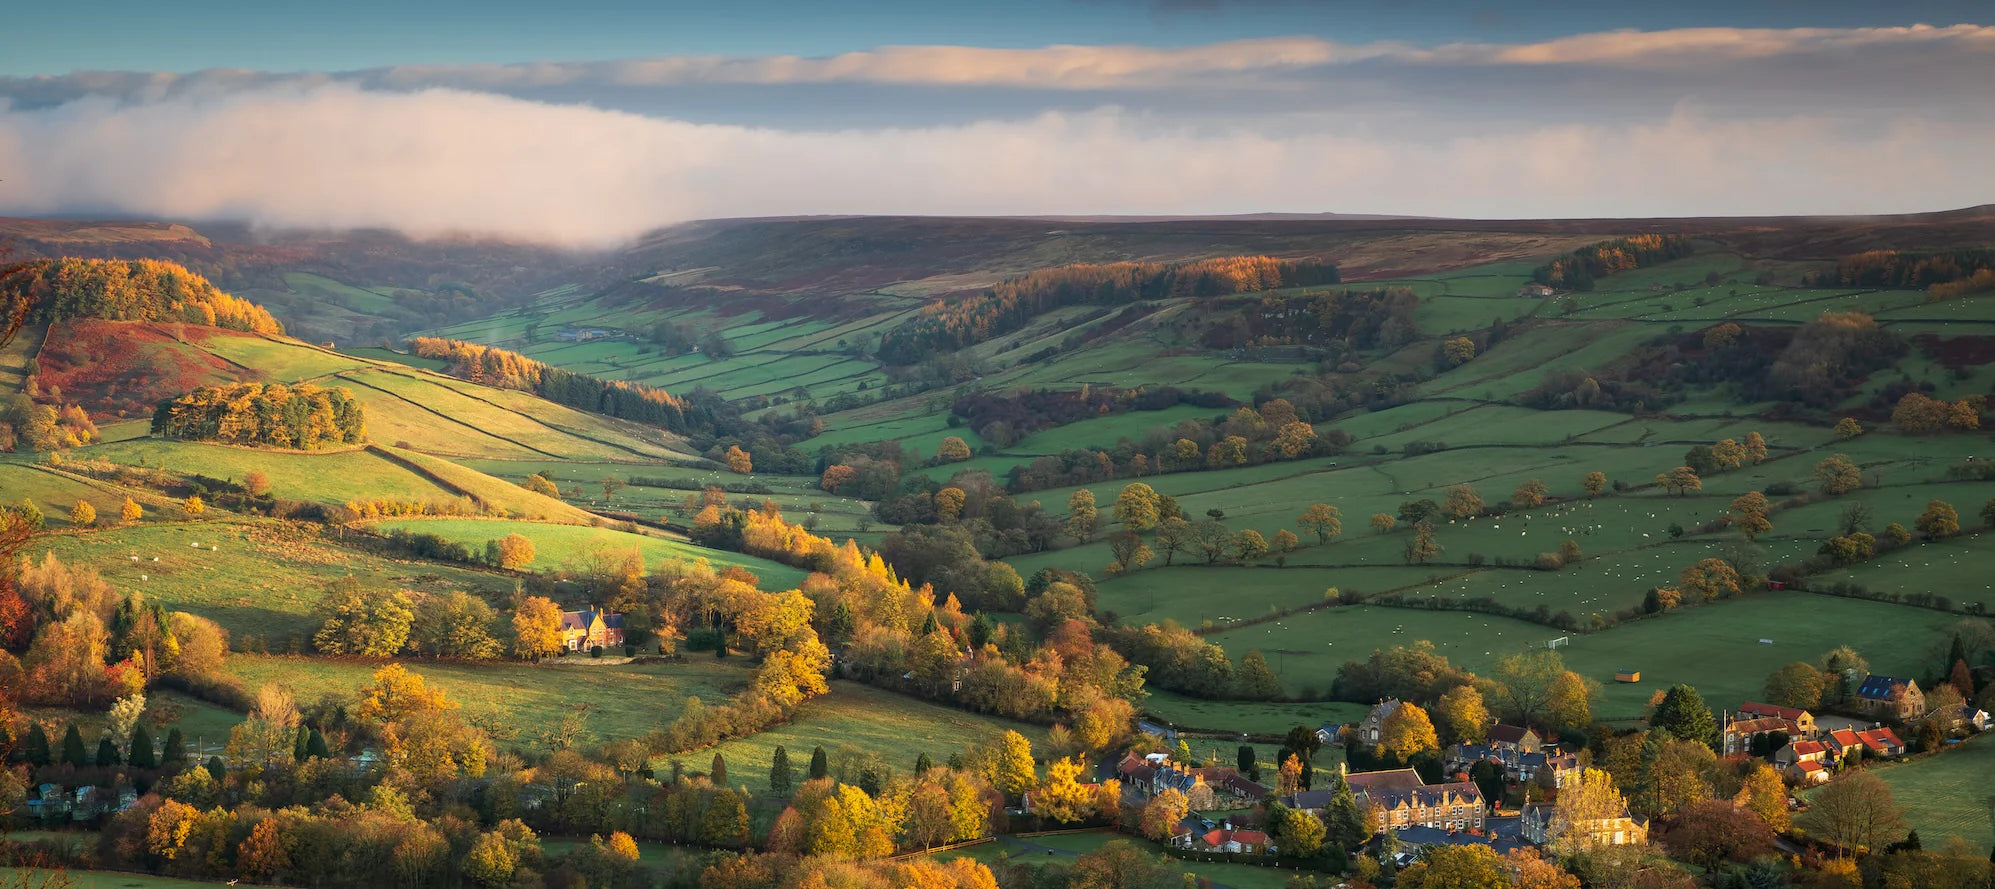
(820, 765)
(779, 771)
(301, 744)
(315, 746)
(922, 763)
(1344, 823)
(35, 749)
(142, 756)
(217, 769)
(928, 624)
(979, 631)
(1245, 759)
(175, 754)
(1684, 714)
(73, 753)
(107, 752)
(718, 774)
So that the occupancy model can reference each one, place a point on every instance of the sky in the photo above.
(588, 122)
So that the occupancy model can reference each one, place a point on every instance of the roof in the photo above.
(1882, 688)
(1758, 726)
(1385, 708)
(1308, 799)
(1220, 837)
(1880, 738)
(613, 621)
(1755, 708)
(1808, 748)
(1810, 766)
(1382, 781)
(1843, 738)
(1419, 835)
(1509, 734)
(577, 620)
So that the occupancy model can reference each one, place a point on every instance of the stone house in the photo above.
(1888, 697)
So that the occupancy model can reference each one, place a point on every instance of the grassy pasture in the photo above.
(515, 702)
(1062, 848)
(1249, 717)
(1945, 795)
(858, 719)
(326, 477)
(94, 879)
(55, 493)
(254, 577)
(570, 545)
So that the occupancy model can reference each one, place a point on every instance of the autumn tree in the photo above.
(536, 628)
(1716, 831)
(193, 505)
(1524, 684)
(1848, 428)
(1709, 579)
(130, 512)
(952, 450)
(1594, 483)
(361, 622)
(1797, 685)
(1162, 813)
(1458, 351)
(511, 552)
(1407, 733)
(1681, 480)
(1472, 866)
(1173, 535)
(1061, 797)
(83, 514)
(1136, 508)
(1008, 765)
(1382, 523)
(1764, 794)
(1322, 519)
(539, 484)
(1939, 521)
(1082, 517)
(1422, 547)
(1462, 716)
(1728, 453)
(1838, 475)
(739, 461)
(1249, 546)
(1529, 494)
(1589, 799)
(1254, 681)
(1462, 502)
(1749, 514)
(1297, 833)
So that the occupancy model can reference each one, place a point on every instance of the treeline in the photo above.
(511, 370)
(1905, 269)
(1004, 419)
(1011, 305)
(302, 416)
(50, 290)
(1381, 317)
(1579, 269)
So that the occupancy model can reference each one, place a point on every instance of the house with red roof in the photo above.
(1881, 742)
(1226, 838)
(1842, 743)
(1804, 721)
(1797, 752)
(1809, 772)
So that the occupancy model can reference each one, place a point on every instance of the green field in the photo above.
(256, 578)
(517, 702)
(567, 546)
(1946, 794)
(860, 720)
(98, 879)
(1061, 848)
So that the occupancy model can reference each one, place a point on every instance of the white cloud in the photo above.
(438, 161)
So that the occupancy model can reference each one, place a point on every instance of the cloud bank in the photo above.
(1624, 124)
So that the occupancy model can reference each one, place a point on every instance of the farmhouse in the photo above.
(583, 630)
(1515, 739)
(1804, 721)
(1745, 737)
(1842, 743)
(1888, 697)
(1809, 772)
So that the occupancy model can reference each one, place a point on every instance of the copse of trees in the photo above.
(1378, 317)
(303, 416)
(954, 324)
(1024, 412)
(1905, 269)
(1579, 269)
(616, 398)
(50, 290)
